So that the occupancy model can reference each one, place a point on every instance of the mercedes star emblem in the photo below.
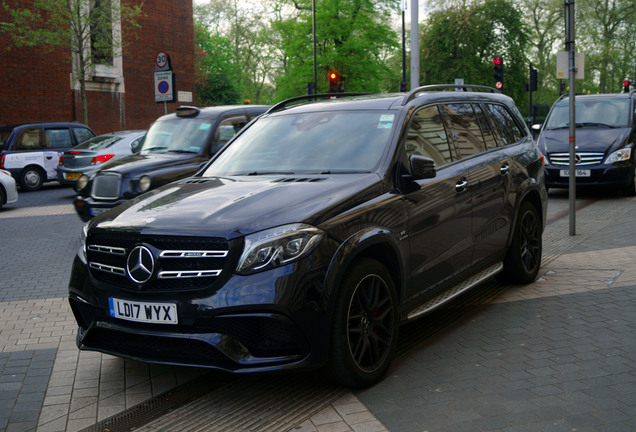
(140, 264)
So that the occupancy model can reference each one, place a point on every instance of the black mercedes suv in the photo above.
(307, 240)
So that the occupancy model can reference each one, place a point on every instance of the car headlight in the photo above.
(277, 247)
(143, 184)
(81, 182)
(81, 252)
(621, 155)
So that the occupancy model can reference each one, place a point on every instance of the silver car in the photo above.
(8, 188)
(91, 155)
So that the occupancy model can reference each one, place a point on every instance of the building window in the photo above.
(101, 26)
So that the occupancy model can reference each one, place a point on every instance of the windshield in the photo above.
(317, 142)
(591, 112)
(181, 135)
(98, 143)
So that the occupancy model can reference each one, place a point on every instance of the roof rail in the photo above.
(283, 104)
(435, 87)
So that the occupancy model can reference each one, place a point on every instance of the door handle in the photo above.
(461, 185)
(504, 169)
(49, 157)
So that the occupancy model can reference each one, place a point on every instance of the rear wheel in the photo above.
(523, 259)
(3, 197)
(365, 328)
(32, 178)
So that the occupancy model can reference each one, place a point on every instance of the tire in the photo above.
(31, 178)
(523, 259)
(630, 189)
(365, 327)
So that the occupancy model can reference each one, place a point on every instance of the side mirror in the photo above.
(422, 167)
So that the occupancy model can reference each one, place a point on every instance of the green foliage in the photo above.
(352, 38)
(461, 42)
(216, 73)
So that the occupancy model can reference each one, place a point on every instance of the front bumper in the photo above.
(87, 207)
(610, 176)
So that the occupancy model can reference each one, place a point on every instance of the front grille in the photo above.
(586, 158)
(180, 263)
(106, 186)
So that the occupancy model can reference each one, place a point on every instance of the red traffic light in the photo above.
(626, 83)
(333, 76)
(497, 60)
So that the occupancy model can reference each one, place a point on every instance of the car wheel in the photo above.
(523, 259)
(31, 179)
(630, 189)
(365, 327)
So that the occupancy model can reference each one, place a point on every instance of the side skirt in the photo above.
(453, 292)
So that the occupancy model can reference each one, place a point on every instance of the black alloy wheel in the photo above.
(523, 260)
(366, 326)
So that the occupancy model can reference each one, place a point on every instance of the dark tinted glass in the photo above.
(427, 136)
(463, 129)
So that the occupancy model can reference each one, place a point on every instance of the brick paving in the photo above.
(557, 355)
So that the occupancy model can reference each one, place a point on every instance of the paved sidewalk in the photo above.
(558, 355)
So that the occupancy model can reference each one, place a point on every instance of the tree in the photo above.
(84, 26)
(461, 40)
(216, 73)
(353, 38)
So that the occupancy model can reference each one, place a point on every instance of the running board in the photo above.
(453, 292)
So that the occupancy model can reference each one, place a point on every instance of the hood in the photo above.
(234, 207)
(591, 139)
(147, 163)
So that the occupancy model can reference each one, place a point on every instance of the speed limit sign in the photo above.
(161, 59)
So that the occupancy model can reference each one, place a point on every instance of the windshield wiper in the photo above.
(592, 124)
(344, 172)
(182, 151)
(153, 148)
(260, 173)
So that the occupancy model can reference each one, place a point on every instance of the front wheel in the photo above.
(630, 189)
(523, 259)
(365, 327)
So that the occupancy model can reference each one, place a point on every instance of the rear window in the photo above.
(507, 129)
(98, 143)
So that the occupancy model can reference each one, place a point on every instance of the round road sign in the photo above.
(163, 87)
(162, 59)
(498, 85)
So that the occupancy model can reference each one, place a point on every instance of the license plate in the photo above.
(579, 173)
(72, 176)
(97, 211)
(156, 313)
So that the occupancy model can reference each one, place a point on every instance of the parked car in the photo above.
(316, 232)
(91, 155)
(605, 140)
(31, 151)
(8, 188)
(175, 147)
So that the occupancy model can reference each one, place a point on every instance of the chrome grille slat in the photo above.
(188, 273)
(108, 269)
(193, 254)
(587, 158)
(107, 249)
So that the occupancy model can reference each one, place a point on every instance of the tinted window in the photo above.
(177, 135)
(98, 143)
(463, 129)
(507, 130)
(486, 132)
(82, 134)
(58, 138)
(29, 139)
(427, 136)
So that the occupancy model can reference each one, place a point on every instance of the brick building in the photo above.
(37, 83)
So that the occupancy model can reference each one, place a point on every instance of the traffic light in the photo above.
(626, 86)
(333, 82)
(498, 72)
(533, 79)
(402, 86)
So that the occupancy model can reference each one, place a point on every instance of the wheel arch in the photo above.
(538, 198)
(376, 243)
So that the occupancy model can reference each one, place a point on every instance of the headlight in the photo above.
(621, 155)
(81, 252)
(277, 247)
(144, 184)
(82, 182)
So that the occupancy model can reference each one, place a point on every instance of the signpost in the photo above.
(164, 80)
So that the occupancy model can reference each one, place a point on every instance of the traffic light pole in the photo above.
(569, 42)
